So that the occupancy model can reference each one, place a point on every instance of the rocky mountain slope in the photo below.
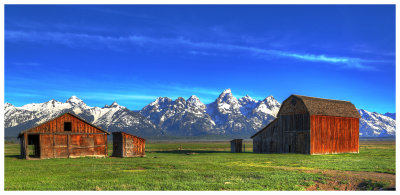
(373, 124)
(227, 115)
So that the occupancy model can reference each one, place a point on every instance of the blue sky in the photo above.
(134, 54)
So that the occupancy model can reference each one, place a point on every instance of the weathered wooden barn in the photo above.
(236, 145)
(65, 136)
(310, 125)
(128, 145)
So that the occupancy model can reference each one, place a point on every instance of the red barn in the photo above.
(65, 136)
(310, 125)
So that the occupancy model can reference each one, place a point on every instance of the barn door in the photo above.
(290, 142)
(33, 146)
(300, 142)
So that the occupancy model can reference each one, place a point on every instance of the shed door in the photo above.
(129, 147)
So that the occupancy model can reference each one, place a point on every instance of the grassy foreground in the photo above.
(206, 166)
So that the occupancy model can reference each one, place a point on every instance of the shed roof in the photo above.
(120, 132)
(269, 124)
(74, 115)
(328, 107)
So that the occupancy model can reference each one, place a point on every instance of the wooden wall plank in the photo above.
(330, 134)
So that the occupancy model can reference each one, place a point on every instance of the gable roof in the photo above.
(269, 124)
(327, 107)
(121, 132)
(74, 115)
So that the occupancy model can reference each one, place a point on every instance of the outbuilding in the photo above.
(236, 145)
(65, 136)
(311, 125)
(128, 145)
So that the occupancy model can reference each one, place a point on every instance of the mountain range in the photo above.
(227, 115)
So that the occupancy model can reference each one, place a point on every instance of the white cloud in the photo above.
(119, 42)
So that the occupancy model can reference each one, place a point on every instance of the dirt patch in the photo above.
(353, 180)
(339, 180)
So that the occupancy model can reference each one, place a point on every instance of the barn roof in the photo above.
(22, 132)
(320, 106)
(328, 107)
(120, 132)
(269, 124)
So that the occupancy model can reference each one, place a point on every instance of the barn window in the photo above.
(67, 126)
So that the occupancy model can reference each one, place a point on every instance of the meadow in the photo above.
(206, 165)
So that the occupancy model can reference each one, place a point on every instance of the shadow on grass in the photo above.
(189, 151)
(12, 156)
(368, 185)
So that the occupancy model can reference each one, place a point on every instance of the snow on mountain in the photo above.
(179, 117)
(373, 124)
(391, 115)
(164, 116)
(269, 106)
(225, 104)
(243, 116)
(113, 117)
(247, 104)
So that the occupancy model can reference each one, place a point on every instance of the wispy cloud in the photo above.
(120, 42)
(108, 91)
(108, 96)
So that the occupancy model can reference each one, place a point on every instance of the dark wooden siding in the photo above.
(236, 145)
(268, 141)
(331, 134)
(296, 133)
(83, 139)
(289, 133)
(118, 150)
(130, 145)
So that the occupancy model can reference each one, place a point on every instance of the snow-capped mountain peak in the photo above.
(6, 105)
(113, 105)
(375, 124)
(247, 99)
(227, 91)
(161, 100)
(227, 96)
(193, 98)
(73, 100)
(194, 101)
(271, 99)
(226, 115)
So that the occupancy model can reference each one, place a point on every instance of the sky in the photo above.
(133, 54)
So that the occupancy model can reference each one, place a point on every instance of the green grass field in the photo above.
(206, 166)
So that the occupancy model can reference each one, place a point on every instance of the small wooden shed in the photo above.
(310, 125)
(65, 136)
(236, 145)
(128, 145)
